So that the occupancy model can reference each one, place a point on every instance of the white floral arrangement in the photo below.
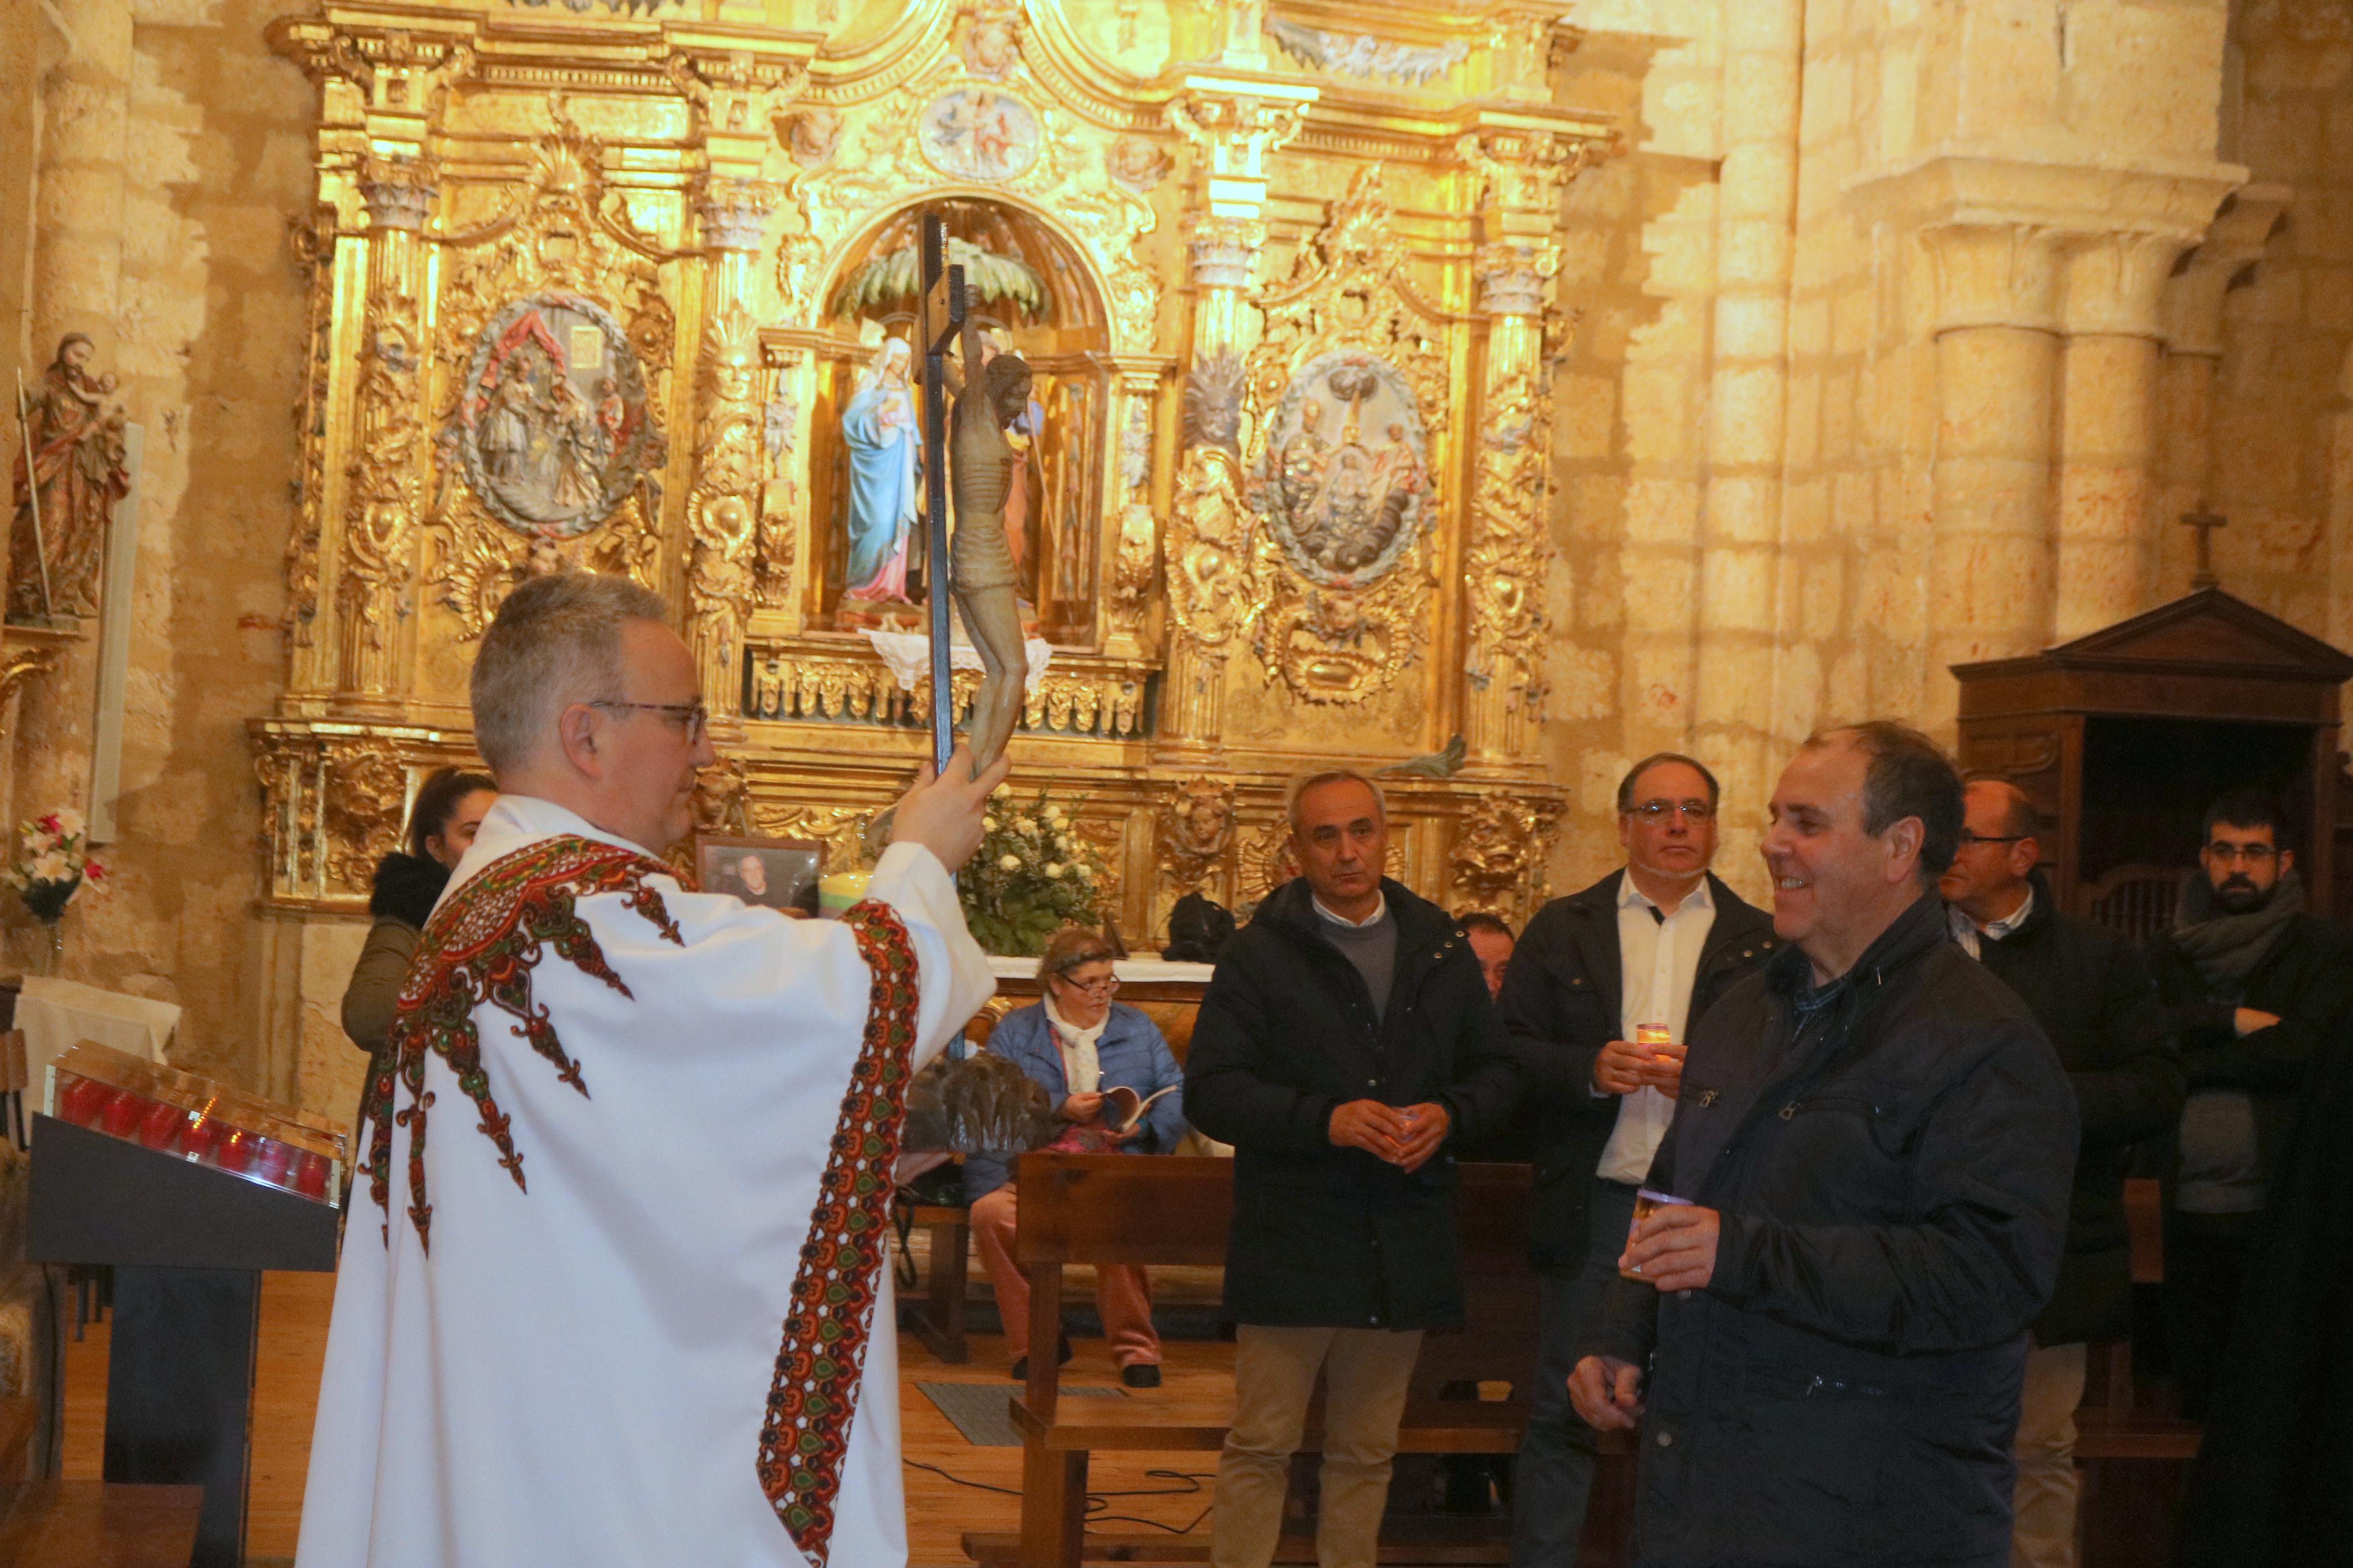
(52, 863)
(1032, 876)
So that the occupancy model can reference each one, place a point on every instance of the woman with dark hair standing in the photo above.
(450, 805)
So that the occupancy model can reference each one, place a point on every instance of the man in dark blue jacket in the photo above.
(1345, 1039)
(1866, 1187)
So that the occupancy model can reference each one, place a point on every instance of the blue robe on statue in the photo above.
(880, 426)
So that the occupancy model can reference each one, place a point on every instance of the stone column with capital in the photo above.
(1233, 121)
(2106, 548)
(383, 497)
(1997, 360)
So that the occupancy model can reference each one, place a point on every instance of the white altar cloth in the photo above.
(57, 1014)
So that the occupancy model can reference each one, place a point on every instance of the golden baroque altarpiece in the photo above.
(602, 287)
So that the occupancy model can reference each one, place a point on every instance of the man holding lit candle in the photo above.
(1597, 997)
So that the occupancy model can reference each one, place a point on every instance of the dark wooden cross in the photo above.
(940, 313)
(2205, 523)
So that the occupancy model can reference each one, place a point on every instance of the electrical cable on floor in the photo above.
(1098, 1500)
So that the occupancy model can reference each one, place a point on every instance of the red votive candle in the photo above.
(82, 1101)
(125, 1112)
(203, 1138)
(271, 1161)
(160, 1128)
(236, 1150)
(310, 1175)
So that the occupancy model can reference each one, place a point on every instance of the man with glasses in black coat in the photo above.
(1649, 945)
(2091, 993)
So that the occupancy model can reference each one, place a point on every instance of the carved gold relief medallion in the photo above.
(554, 428)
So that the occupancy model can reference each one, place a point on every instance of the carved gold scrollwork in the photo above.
(723, 509)
(366, 791)
(841, 828)
(1341, 643)
(1503, 567)
(559, 232)
(1500, 855)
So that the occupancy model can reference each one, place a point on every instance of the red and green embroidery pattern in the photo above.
(480, 946)
(806, 1437)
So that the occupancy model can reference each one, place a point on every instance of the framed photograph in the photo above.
(774, 873)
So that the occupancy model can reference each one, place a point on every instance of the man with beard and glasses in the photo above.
(2254, 985)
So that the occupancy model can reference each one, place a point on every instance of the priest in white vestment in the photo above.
(630, 1302)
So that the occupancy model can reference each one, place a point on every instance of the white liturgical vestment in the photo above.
(577, 1371)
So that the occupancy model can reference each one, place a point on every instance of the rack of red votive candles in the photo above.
(175, 1113)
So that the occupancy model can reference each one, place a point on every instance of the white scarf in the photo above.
(1081, 1069)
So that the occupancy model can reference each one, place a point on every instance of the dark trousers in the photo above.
(2207, 1256)
(1556, 1465)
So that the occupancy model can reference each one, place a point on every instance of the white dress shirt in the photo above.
(1967, 932)
(1658, 959)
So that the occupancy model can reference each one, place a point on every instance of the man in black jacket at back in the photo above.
(1652, 943)
(1345, 1038)
(1865, 1203)
(2253, 988)
(2091, 993)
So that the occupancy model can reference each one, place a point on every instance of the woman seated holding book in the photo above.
(1114, 1085)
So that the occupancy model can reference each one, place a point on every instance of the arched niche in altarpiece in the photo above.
(1032, 294)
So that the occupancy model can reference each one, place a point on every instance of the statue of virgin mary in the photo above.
(883, 435)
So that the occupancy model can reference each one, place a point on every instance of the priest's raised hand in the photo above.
(943, 815)
(629, 1303)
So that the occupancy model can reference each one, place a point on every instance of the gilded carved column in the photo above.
(1522, 164)
(2106, 561)
(722, 508)
(1234, 122)
(384, 495)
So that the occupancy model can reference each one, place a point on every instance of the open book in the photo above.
(1123, 1108)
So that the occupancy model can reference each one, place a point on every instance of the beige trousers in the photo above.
(1365, 1375)
(2043, 1535)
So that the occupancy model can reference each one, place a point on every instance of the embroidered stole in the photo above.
(804, 1439)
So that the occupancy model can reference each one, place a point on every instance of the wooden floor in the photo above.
(939, 1510)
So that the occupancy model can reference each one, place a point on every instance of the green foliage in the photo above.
(1032, 876)
(988, 276)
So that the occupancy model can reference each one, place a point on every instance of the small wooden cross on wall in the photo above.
(2205, 523)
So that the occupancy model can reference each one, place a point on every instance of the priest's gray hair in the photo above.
(1305, 782)
(555, 641)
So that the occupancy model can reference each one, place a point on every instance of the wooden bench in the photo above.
(1102, 1209)
(938, 1318)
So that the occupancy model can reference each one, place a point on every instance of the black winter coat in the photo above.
(2272, 1487)
(1892, 1191)
(2306, 978)
(2088, 988)
(1561, 1003)
(1325, 1236)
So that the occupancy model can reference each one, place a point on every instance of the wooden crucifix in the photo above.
(940, 316)
(2205, 523)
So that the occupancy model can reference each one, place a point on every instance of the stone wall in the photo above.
(2276, 460)
(1868, 378)
(173, 147)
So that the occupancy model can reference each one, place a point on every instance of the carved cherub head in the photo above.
(1202, 824)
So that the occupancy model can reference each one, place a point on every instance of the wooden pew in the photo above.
(937, 1318)
(1100, 1209)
